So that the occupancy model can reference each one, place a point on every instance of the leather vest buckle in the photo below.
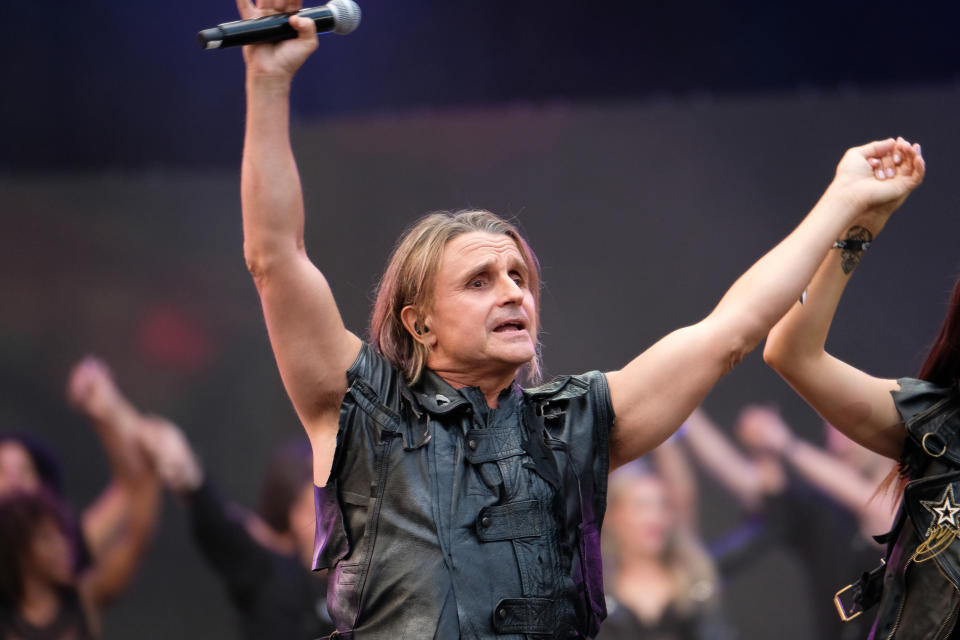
(936, 441)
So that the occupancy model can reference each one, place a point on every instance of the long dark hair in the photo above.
(942, 366)
(45, 461)
(20, 515)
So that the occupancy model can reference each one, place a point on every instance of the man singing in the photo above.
(451, 502)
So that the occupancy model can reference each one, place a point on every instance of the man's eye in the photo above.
(476, 284)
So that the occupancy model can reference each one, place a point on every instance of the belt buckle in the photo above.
(846, 614)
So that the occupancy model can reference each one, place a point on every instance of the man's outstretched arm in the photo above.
(312, 347)
(656, 391)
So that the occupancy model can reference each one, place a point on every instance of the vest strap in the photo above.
(509, 521)
(524, 615)
(487, 445)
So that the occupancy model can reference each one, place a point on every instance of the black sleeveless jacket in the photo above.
(443, 518)
(921, 598)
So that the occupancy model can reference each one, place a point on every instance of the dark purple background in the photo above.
(124, 83)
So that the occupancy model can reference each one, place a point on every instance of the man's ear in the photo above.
(410, 318)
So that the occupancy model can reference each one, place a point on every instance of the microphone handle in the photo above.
(273, 28)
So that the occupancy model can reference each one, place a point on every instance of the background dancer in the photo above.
(818, 504)
(57, 577)
(661, 581)
(263, 563)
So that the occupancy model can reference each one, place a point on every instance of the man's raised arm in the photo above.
(312, 347)
(656, 391)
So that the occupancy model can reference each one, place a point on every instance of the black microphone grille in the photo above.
(346, 15)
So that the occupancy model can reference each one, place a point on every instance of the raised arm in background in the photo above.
(92, 391)
(855, 402)
(738, 474)
(119, 525)
(312, 347)
(848, 486)
(243, 563)
(656, 392)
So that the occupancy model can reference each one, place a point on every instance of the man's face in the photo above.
(483, 317)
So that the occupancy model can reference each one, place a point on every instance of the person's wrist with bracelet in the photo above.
(852, 245)
(857, 240)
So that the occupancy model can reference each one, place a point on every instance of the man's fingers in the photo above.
(279, 6)
(247, 9)
(305, 27)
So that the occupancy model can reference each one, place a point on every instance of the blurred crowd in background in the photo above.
(63, 564)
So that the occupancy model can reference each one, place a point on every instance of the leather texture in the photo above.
(446, 519)
(920, 600)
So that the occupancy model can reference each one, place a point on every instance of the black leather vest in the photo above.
(921, 597)
(444, 519)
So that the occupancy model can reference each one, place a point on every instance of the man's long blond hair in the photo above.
(410, 279)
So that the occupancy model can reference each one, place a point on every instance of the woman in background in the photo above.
(28, 465)
(56, 575)
(661, 583)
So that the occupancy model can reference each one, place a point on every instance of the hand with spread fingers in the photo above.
(281, 59)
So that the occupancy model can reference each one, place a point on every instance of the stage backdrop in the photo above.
(641, 214)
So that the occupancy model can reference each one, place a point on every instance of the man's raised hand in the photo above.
(281, 59)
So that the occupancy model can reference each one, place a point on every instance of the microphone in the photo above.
(338, 16)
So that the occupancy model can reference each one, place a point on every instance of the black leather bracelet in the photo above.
(852, 245)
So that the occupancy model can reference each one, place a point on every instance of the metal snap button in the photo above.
(485, 521)
(473, 445)
(502, 613)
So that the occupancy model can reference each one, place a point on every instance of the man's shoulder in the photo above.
(584, 395)
(567, 387)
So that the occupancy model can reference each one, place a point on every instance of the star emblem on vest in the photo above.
(946, 510)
